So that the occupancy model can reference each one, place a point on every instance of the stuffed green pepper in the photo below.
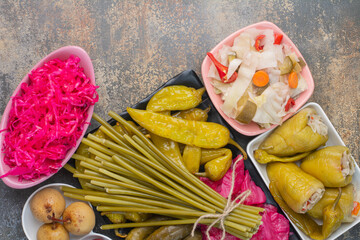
(302, 133)
(346, 202)
(333, 166)
(299, 190)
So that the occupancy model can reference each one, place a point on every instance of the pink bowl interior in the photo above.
(62, 53)
(252, 128)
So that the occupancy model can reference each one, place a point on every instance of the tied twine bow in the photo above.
(230, 206)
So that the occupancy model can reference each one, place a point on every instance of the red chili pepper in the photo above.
(277, 38)
(223, 70)
(257, 42)
(289, 104)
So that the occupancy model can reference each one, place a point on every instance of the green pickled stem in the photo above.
(243, 221)
(70, 168)
(100, 154)
(99, 159)
(215, 198)
(118, 149)
(107, 126)
(125, 192)
(155, 165)
(242, 214)
(97, 146)
(119, 197)
(133, 202)
(238, 234)
(157, 157)
(89, 166)
(155, 169)
(141, 150)
(121, 171)
(116, 202)
(161, 174)
(95, 165)
(160, 204)
(111, 135)
(104, 185)
(127, 179)
(147, 210)
(162, 186)
(115, 168)
(112, 182)
(93, 187)
(149, 191)
(152, 223)
(75, 196)
(88, 160)
(93, 173)
(82, 191)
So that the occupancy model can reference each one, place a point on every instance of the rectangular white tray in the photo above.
(334, 139)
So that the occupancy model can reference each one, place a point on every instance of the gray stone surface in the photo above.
(137, 45)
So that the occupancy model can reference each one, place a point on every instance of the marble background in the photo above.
(137, 45)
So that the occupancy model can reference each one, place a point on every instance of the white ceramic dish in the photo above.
(334, 139)
(31, 225)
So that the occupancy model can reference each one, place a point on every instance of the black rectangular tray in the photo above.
(190, 79)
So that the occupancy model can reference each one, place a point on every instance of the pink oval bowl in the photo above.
(252, 128)
(62, 53)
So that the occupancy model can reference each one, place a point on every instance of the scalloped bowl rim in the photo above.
(253, 129)
(61, 53)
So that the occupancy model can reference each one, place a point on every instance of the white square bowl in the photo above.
(334, 139)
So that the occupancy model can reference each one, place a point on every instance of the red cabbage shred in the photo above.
(47, 117)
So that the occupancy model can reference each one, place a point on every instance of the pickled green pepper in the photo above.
(175, 232)
(210, 154)
(216, 168)
(175, 98)
(201, 134)
(168, 147)
(192, 154)
(192, 157)
(195, 114)
(263, 157)
(332, 217)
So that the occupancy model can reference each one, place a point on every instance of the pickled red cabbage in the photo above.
(47, 117)
(274, 225)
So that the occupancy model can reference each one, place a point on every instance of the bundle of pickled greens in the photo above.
(308, 182)
(127, 176)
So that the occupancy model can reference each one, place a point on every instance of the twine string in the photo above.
(230, 206)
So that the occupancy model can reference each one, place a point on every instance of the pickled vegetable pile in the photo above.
(132, 172)
(47, 117)
(308, 182)
(258, 77)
